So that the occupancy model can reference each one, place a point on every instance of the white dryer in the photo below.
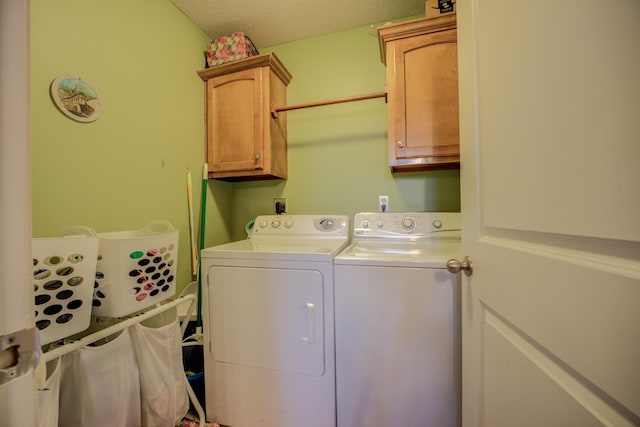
(268, 323)
(396, 319)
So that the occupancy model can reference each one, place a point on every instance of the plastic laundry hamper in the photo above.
(63, 273)
(135, 269)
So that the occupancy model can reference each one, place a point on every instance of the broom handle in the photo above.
(194, 254)
(203, 215)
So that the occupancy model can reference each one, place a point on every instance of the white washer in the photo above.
(396, 318)
(268, 323)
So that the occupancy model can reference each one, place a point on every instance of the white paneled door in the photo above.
(550, 140)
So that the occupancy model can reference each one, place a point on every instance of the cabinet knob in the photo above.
(400, 144)
(257, 156)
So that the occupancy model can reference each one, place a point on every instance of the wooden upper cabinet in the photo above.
(243, 141)
(422, 93)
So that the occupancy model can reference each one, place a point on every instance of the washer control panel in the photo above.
(301, 225)
(399, 224)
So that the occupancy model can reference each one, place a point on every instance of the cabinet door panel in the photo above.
(424, 97)
(235, 111)
(243, 141)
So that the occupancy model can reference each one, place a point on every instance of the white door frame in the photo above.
(17, 328)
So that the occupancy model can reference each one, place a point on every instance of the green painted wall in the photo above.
(129, 167)
(338, 154)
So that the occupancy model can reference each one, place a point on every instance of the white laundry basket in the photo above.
(63, 274)
(136, 269)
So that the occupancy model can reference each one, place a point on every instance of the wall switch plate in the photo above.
(280, 205)
(383, 203)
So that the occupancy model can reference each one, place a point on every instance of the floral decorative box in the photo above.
(229, 48)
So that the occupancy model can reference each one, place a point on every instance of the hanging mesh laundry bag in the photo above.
(163, 388)
(63, 273)
(100, 385)
(48, 391)
(136, 269)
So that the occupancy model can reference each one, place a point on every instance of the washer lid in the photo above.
(432, 253)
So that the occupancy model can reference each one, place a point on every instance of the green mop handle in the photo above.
(203, 213)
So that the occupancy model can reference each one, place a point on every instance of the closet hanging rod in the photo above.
(275, 110)
(103, 333)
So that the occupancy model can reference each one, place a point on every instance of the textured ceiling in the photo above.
(272, 22)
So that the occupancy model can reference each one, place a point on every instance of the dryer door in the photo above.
(267, 318)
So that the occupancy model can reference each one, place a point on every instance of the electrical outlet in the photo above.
(383, 203)
(280, 205)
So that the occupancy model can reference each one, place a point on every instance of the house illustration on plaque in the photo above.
(76, 98)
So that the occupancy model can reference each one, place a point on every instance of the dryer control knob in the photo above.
(408, 224)
(437, 224)
(327, 224)
(275, 223)
(263, 223)
(379, 223)
(365, 223)
(288, 223)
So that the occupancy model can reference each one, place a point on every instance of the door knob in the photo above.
(454, 266)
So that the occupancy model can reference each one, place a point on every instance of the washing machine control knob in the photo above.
(288, 223)
(263, 223)
(437, 224)
(365, 223)
(407, 224)
(275, 223)
(379, 223)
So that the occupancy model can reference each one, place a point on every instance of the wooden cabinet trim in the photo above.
(416, 27)
(264, 60)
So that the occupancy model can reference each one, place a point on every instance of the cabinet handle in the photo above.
(257, 156)
(400, 144)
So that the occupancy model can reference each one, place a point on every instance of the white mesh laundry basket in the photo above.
(63, 274)
(135, 269)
